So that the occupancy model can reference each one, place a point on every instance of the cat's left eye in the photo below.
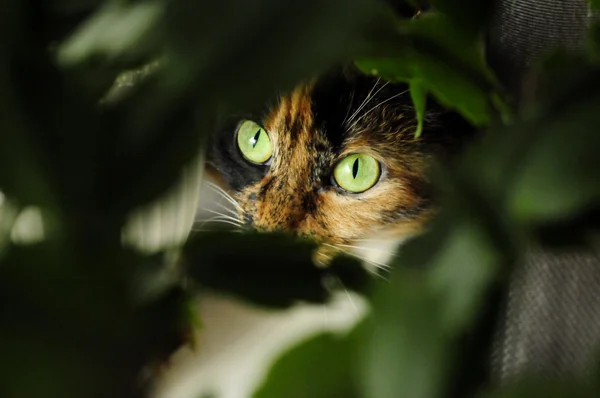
(254, 142)
(357, 173)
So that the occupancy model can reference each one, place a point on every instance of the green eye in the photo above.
(254, 142)
(356, 173)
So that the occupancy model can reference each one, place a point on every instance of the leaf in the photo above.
(594, 40)
(82, 301)
(471, 16)
(322, 367)
(450, 65)
(117, 31)
(454, 67)
(418, 94)
(280, 262)
(246, 52)
(442, 292)
(558, 178)
(532, 386)
(594, 4)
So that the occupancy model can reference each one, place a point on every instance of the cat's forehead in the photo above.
(340, 108)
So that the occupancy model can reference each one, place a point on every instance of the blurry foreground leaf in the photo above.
(268, 269)
(469, 15)
(66, 325)
(545, 387)
(445, 292)
(418, 93)
(449, 64)
(322, 367)
(560, 175)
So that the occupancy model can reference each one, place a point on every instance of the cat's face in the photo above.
(335, 160)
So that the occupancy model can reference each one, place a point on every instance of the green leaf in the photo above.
(450, 64)
(594, 4)
(252, 48)
(283, 263)
(117, 30)
(322, 367)
(594, 40)
(418, 94)
(558, 177)
(428, 307)
(471, 16)
(453, 65)
(531, 386)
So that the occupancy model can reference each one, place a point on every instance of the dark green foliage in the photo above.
(261, 270)
(447, 61)
(326, 351)
(83, 316)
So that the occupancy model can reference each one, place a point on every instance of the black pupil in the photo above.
(355, 168)
(255, 139)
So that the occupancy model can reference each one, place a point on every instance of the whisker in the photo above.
(225, 216)
(349, 297)
(219, 219)
(383, 267)
(367, 100)
(227, 209)
(373, 249)
(224, 194)
(227, 197)
(349, 107)
(377, 106)
(237, 231)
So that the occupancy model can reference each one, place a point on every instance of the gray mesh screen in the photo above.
(552, 323)
(552, 318)
(523, 29)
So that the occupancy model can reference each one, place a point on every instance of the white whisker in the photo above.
(224, 194)
(349, 297)
(349, 107)
(373, 249)
(378, 265)
(221, 220)
(237, 231)
(227, 209)
(377, 106)
(367, 100)
(225, 216)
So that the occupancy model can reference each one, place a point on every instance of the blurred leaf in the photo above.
(429, 307)
(70, 322)
(322, 367)
(595, 4)
(545, 387)
(73, 6)
(418, 94)
(282, 272)
(449, 64)
(9, 213)
(594, 40)
(117, 30)
(559, 177)
(253, 47)
(469, 15)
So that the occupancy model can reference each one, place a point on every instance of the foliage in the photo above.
(82, 314)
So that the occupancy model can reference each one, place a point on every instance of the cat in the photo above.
(336, 160)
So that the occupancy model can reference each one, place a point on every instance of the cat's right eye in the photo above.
(254, 142)
(357, 173)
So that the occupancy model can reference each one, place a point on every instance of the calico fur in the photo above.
(312, 128)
